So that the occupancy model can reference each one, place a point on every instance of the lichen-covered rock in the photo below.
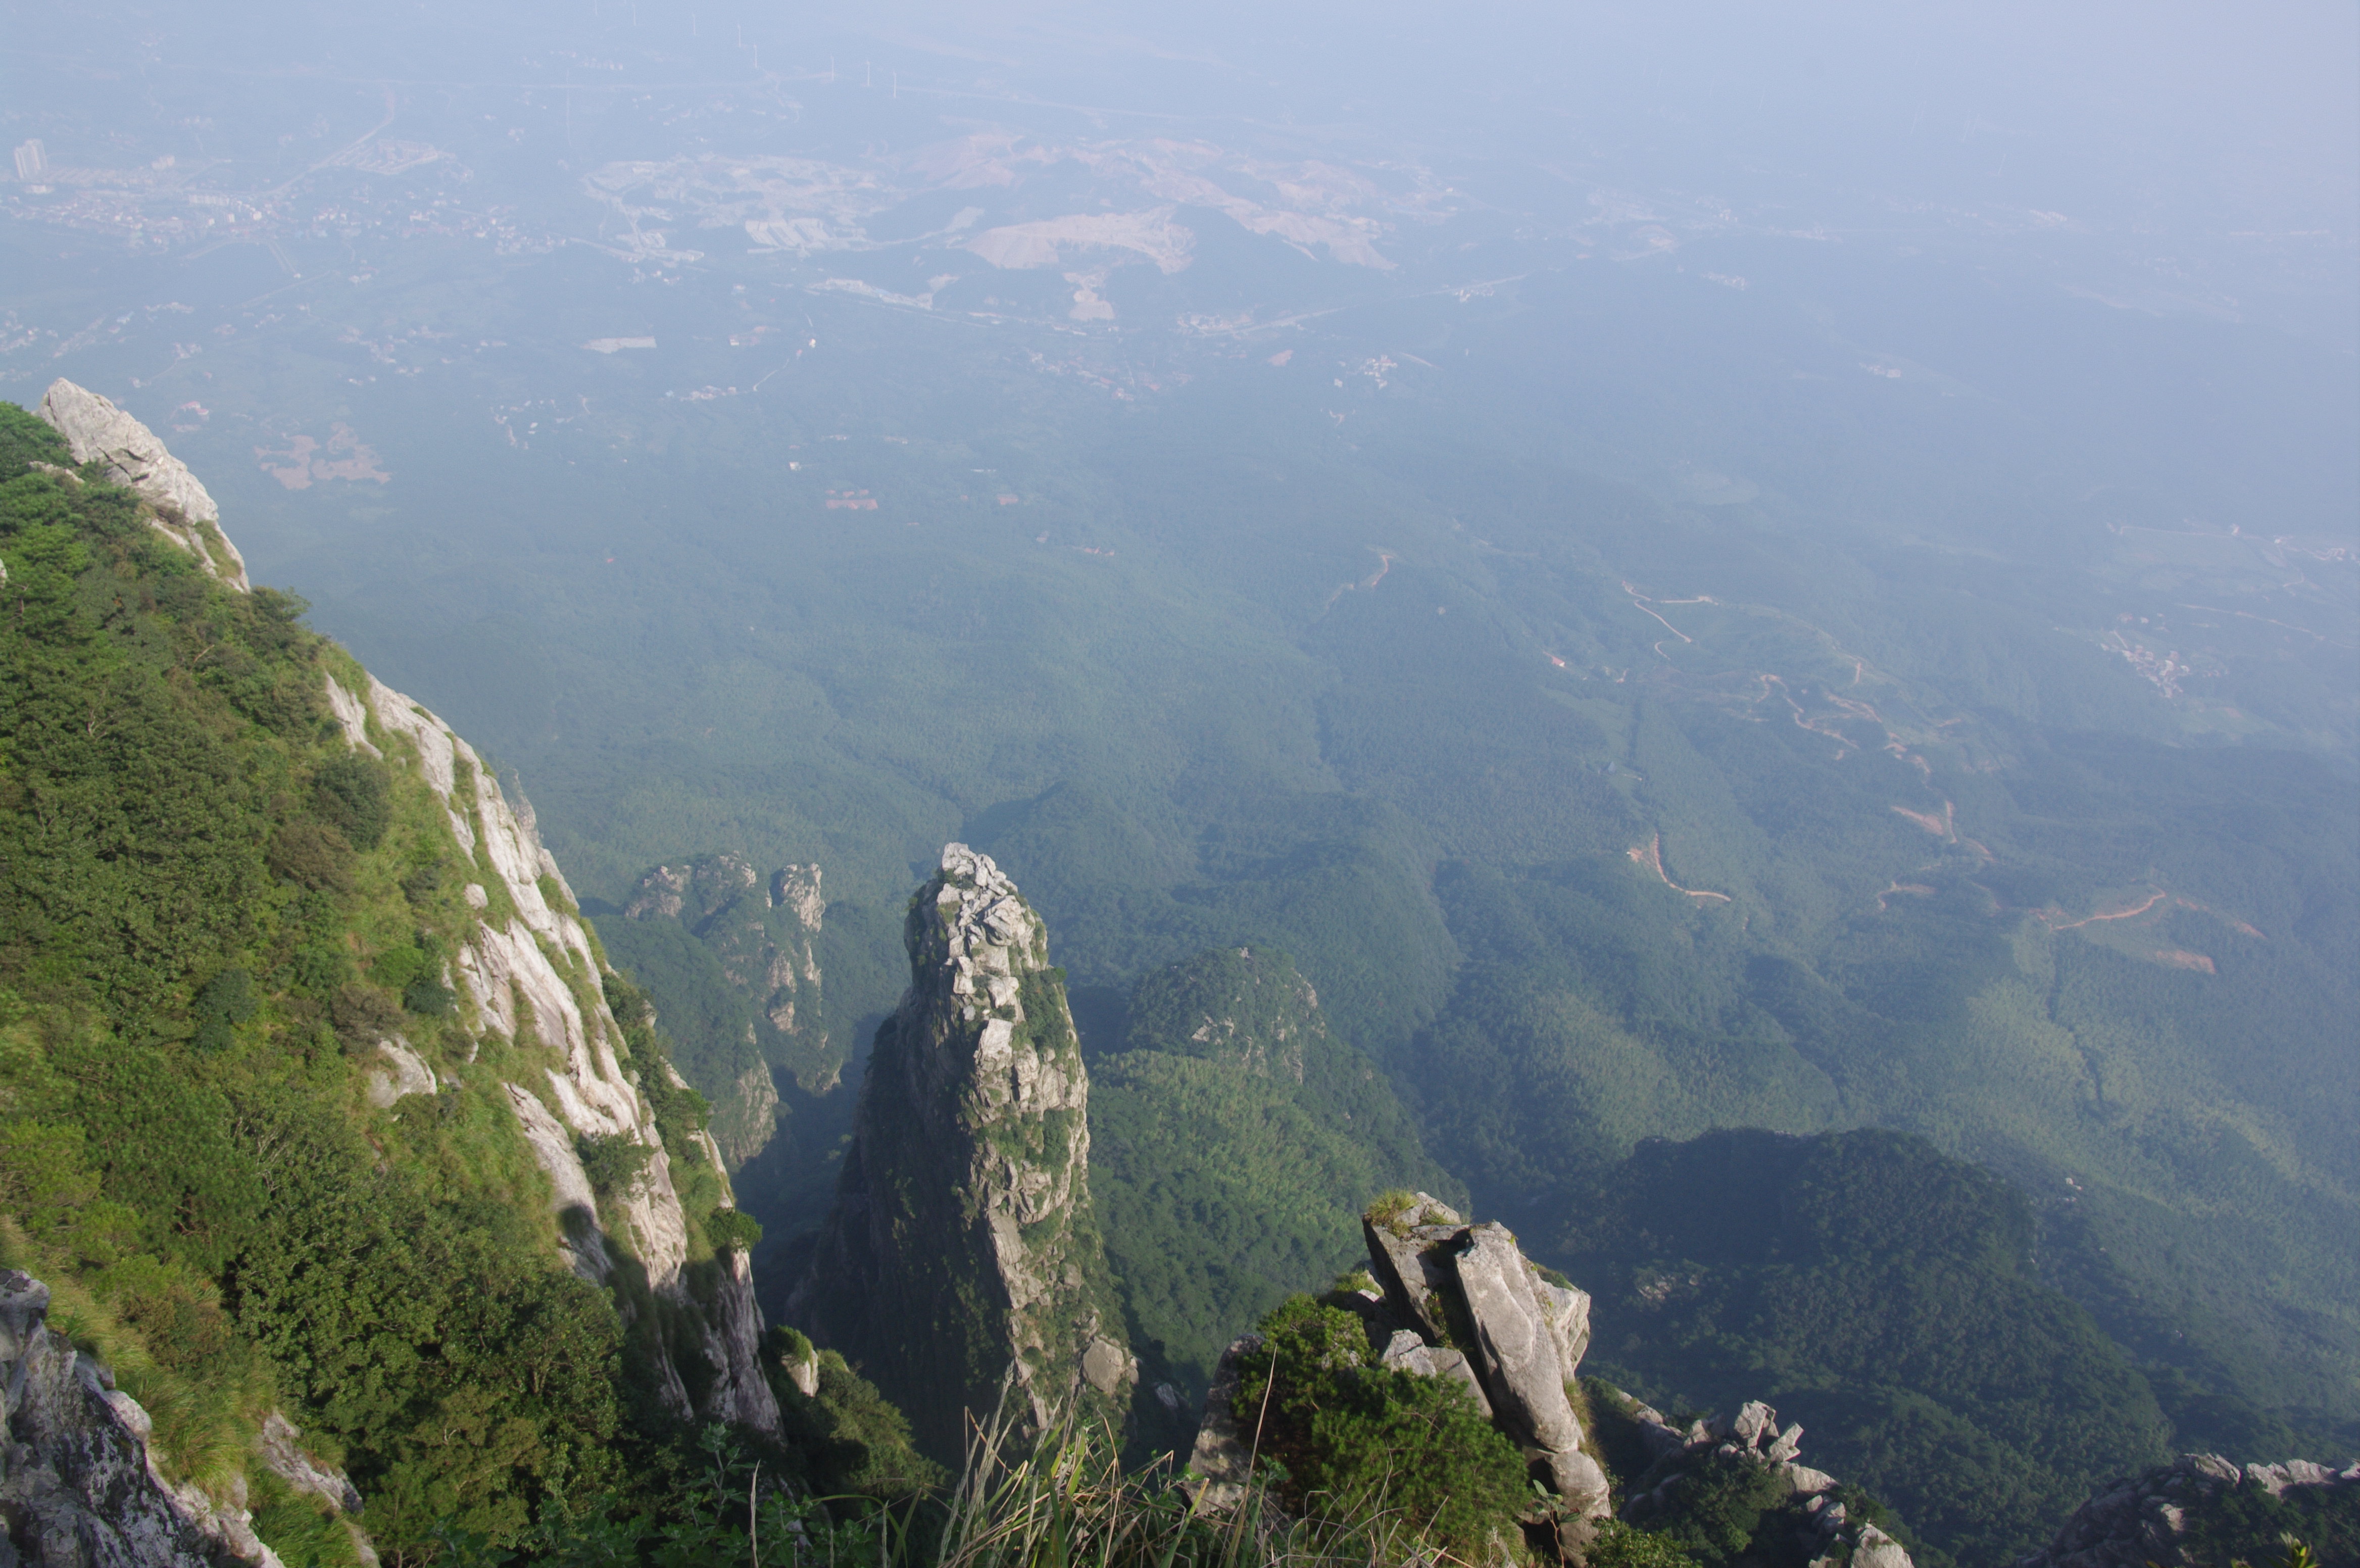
(962, 1248)
(96, 431)
(1222, 1463)
(2146, 1519)
(77, 1487)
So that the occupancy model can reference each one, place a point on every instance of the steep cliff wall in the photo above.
(530, 970)
(268, 904)
(963, 1247)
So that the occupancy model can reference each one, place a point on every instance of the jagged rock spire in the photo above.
(963, 1248)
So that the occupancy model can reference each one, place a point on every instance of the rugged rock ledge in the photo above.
(962, 1249)
(1453, 1300)
(97, 432)
(2146, 1520)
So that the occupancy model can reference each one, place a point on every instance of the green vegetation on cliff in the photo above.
(213, 910)
(1345, 1438)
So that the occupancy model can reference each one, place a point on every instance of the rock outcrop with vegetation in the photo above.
(1733, 1487)
(2202, 1509)
(1440, 1382)
(1439, 1387)
(77, 1485)
(734, 955)
(313, 1103)
(963, 1250)
(128, 453)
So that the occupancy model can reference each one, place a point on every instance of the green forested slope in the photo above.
(212, 907)
(1881, 1294)
(1233, 1142)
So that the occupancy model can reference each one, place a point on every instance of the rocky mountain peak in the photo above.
(96, 431)
(967, 1185)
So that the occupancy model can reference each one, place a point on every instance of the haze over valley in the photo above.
(1585, 616)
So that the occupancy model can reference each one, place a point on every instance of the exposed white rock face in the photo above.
(98, 432)
(536, 970)
(403, 1071)
(967, 1178)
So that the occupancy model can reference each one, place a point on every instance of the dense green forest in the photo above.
(1884, 1294)
(1234, 1140)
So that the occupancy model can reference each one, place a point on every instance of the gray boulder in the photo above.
(1516, 1356)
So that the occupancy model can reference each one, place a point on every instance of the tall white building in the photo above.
(32, 161)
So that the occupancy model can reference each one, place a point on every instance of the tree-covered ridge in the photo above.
(1233, 1139)
(214, 914)
(1881, 1293)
